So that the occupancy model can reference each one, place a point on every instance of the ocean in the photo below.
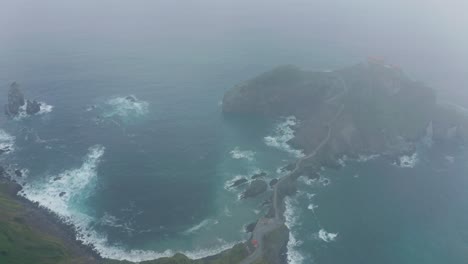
(131, 148)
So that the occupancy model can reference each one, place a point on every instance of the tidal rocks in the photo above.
(62, 194)
(250, 227)
(33, 107)
(273, 183)
(131, 98)
(18, 173)
(255, 188)
(258, 175)
(15, 100)
(17, 105)
(238, 182)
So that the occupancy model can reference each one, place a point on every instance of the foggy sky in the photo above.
(428, 35)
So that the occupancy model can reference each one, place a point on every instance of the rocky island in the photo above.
(367, 109)
(17, 105)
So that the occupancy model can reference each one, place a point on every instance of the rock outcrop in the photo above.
(255, 188)
(15, 100)
(33, 107)
(384, 111)
(238, 182)
(17, 105)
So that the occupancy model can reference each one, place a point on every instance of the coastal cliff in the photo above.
(384, 111)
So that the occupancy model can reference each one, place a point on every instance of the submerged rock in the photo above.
(239, 182)
(131, 98)
(250, 227)
(62, 194)
(15, 100)
(255, 188)
(259, 175)
(33, 107)
(273, 182)
(18, 173)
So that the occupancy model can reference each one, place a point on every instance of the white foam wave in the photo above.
(228, 184)
(124, 107)
(326, 236)
(450, 159)
(202, 225)
(291, 217)
(312, 207)
(43, 109)
(236, 153)
(366, 158)
(7, 142)
(407, 161)
(283, 133)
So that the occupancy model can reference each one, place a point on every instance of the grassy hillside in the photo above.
(19, 243)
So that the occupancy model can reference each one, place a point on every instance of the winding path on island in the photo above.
(266, 225)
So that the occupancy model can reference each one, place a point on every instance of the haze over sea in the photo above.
(135, 152)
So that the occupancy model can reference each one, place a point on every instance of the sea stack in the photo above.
(15, 100)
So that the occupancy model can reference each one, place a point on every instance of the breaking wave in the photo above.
(7, 142)
(291, 217)
(326, 236)
(407, 161)
(284, 132)
(228, 185)
(44, 109)
(366, 158)
(126, 107)
(202, 225)
(236, 153)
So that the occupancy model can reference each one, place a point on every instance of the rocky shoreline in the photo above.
(41, 219)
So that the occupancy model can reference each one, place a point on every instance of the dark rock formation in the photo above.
(273, 182)
(15, 100)
(250, 227)
(18, 173)
(2, 171)
(62, 194)
(384, 111)
(259, 175)
(131, 98)
(238, 183)
(255, 188)
(288, 167)
(33, 107)
(4, 150)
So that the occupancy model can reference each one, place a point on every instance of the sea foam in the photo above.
(7, 142)
(126, 107)
(326, 236)
(407, 161)
(236, 153)
(291, 217)
(43, 109)
(283, 133)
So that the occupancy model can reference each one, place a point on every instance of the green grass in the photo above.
(21, 244)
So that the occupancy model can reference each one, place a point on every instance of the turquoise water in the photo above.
(376, 212)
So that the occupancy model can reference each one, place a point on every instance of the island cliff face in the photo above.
(369, 108)
(384, 111)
